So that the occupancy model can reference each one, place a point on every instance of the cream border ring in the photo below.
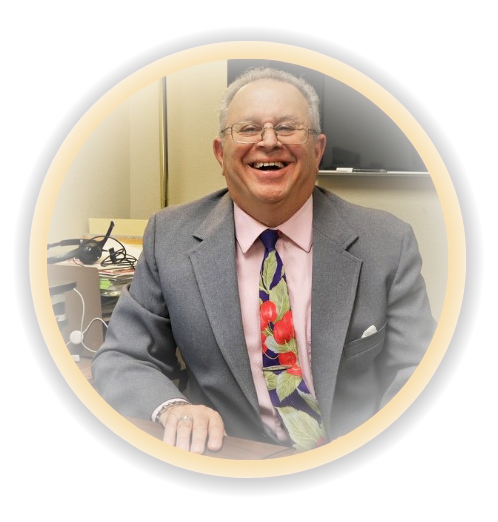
(455, 239)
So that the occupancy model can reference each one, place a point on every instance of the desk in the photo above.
(233, 447)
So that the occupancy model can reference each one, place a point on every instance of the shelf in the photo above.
(376, 173)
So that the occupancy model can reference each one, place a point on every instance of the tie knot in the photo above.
(269, 239)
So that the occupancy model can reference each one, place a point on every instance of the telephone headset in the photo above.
(88, 251)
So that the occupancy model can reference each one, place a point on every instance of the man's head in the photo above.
(269, 173)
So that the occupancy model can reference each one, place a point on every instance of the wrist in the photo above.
(167, 406)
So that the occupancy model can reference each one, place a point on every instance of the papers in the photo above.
(112, 278)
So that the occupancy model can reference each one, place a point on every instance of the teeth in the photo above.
(277, 164)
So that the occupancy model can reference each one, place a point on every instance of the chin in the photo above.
(272, 195)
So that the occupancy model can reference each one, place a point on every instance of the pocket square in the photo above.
(369, 331)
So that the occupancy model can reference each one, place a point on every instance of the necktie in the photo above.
(290, 396)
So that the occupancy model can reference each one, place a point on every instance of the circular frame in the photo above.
(454, 231)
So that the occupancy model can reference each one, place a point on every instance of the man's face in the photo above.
(253, 185)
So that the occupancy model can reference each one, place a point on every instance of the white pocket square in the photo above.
(369, 331)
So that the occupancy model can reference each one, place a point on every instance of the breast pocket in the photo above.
(372, 343)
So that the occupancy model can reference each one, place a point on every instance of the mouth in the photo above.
(273, 165)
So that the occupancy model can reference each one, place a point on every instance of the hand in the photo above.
(189, 426)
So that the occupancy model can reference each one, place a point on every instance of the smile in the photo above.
(274, 165)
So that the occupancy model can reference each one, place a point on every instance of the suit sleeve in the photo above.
(410, 325)
(135, 367)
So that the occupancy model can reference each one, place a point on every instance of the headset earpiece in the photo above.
(88, 251)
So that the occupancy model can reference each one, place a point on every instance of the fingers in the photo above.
(216, 433)
(184, 428)
(190, 427)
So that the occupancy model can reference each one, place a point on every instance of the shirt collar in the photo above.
(298, 228)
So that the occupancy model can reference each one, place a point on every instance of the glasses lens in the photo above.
(292, 137)
(253, 133)
(247, 132)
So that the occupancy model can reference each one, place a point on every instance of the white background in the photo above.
(438, 461)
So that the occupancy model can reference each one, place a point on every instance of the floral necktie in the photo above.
(296, 406)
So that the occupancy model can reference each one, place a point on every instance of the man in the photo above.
(353, 321)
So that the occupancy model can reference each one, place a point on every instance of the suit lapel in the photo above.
(335, 279)
(214, 264)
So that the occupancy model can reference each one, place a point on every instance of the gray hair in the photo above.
(267, 73)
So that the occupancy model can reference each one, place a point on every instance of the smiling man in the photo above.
(297, 315)
(270, 174)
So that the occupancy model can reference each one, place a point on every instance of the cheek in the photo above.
(233, 173)
(230, 167)
(313, 161)
(233, 156)
(309, 162)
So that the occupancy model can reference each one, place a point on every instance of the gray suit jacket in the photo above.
(366, 271)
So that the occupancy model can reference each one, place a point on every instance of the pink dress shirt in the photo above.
(295, 250)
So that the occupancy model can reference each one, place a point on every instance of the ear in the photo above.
(218, 149)
(320, 142)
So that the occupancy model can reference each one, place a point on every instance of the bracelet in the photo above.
(168, 405)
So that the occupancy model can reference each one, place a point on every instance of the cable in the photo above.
(78, 336)
(119, 257)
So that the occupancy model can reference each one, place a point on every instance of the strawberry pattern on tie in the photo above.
(290, 396)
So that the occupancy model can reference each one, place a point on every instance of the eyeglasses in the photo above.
(287, 133)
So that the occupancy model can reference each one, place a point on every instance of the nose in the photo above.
(269, 137)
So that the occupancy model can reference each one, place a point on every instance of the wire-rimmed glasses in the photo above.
(288, 133)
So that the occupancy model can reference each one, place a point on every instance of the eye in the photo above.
(286, 128)
(248, 128)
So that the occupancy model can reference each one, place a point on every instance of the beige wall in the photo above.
(89, 187)
(118, 172)
(146, 128)
(193, 98)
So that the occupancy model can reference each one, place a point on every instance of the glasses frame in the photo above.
(263, 129)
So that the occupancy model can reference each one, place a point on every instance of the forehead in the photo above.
(268, 100)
